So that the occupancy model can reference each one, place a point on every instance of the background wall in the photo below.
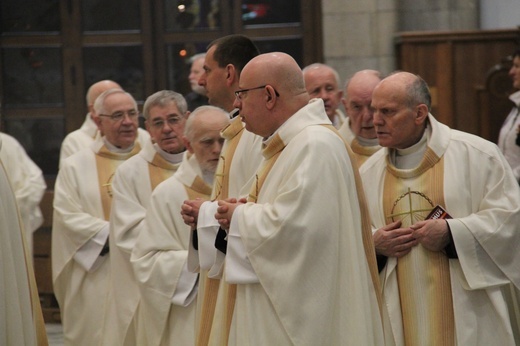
(359, 34)
(499, 14)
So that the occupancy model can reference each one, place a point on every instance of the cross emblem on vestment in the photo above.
(416, 213)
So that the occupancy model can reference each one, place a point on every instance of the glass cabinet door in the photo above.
(52, 51)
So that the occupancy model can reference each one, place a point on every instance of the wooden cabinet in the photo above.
(459, 66)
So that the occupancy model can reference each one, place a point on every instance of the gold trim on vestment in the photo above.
(423, 275)
(361, 152)
(232, 134)
(106, 165)
(160, 169)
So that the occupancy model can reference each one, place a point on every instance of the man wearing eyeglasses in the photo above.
(299, 249)
(168, 307)
(165, 114)
(323, 81)
(240, 158)
(82, 204)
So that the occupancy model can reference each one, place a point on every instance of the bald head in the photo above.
(408, 85)
(278, 69)
(97, 89)
(401, 106)
(276, 91)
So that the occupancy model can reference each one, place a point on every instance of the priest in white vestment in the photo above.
(358, 130)
(27, 182)
(446, 279)
(167, 311)
(240, 157)
(323, 81)
(165, 113)
(82, 201)
(299, 249)
(21, 320)
(88, 132)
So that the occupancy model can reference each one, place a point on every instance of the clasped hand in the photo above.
(394, 241)
(225, 211)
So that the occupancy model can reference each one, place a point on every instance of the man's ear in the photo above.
(271, 97)
(97, 120)
(421, 113)
(231, 76)
(187, 144)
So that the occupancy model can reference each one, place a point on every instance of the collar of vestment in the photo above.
(160, 158)
(104, 149)
(233, 128)
(312, 114)
(437, 145)
(190, 175)
(365, 147)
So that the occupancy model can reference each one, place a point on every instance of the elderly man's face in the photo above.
(121, 131)
(359, 110)
(206, 142)
(394, 121)
(250, 101)
(321, 83)
(166, 127)
(196, 71)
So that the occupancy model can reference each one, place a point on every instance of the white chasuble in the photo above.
(469, 177)
(304, 241)
(82, 201)
(132, 188)
(159, 261)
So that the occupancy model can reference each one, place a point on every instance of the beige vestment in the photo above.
(303, 239)
(21, 320)
(27, 182)
(82, 200)
(132, 188)
(166, 316)
(471, 179)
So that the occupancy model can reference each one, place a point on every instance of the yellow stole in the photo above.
(232, 134)
(362, 153)
(199, 189)
(160, 170)
(271, 152)
(423, 276)
(106, 164)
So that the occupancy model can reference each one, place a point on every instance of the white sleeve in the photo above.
(187, 288)
(88, 255)
(238, 267)
(207, 228)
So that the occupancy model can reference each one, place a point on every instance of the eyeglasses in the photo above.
(119, 115)
(171, 121)
(239, 93)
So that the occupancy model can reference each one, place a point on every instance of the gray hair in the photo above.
(418, 92)
(199, 111)
(319, 64)
(196, 57)
(164, 98)
(99, 104)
